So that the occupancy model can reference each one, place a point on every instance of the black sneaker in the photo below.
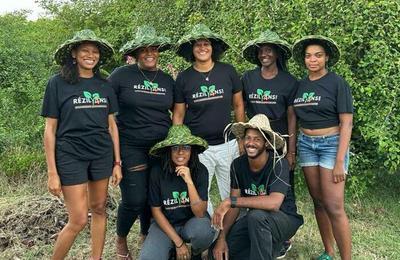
(286, 246)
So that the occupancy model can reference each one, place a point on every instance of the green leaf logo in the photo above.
(211, 90)
(87, 95)
(308, 96)
(254, 187)
(175, 194)
(154, 86)
(305, 95)
(261, 189)
(260, 92)
(147, 84)
(204, 89)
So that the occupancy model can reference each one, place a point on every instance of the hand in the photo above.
(54, 185)
(338, 173)
(220, 250)
(219, 213)
(184, 172)
(182, 253)
(116, 175)
(291, 157)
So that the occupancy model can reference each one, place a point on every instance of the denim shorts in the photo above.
(319, 151)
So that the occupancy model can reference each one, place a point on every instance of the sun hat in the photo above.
(250, 50)
(329, 45)
(199, 31)
(260, 122)
(179, 135)
(146, 36)
(106, 50)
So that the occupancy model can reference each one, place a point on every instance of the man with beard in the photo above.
(260, 184)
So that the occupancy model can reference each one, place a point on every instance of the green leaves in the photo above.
(87, 95)
(152, 85)
(308, 96)
(208, 90)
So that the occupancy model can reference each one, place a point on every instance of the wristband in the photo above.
(233, 201)
(180, 245)
(118, 163)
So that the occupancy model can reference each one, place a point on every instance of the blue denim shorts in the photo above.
(319, 151)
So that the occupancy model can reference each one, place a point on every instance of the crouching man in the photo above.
(259, 183)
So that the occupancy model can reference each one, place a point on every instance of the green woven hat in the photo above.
(64, 50)
(329, 45)
(250, 50)
(146, 36)
(199, 31)
(179, 135)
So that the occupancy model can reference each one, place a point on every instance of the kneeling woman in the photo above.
(178, 198)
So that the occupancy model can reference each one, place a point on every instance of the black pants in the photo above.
(134, 189)
(259, 234)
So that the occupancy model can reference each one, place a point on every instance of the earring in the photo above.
(73, 61)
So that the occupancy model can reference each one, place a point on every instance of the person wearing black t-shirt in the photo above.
(204, 96)
(259, 183)
(145, 96)
(178, 197)
(323, 104)
(81, 138)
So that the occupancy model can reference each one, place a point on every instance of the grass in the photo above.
(375, 223)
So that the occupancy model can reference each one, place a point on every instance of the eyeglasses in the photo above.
(185, 147)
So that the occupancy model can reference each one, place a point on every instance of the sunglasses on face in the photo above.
(185, 147)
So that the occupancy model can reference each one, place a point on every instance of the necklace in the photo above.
(206, 75)
(144, 75)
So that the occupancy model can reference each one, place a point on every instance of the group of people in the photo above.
(162, 141)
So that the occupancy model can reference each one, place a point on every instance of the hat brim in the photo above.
(159, 148)
(61, 54)
(250, 51)
(160, 46)
(239, 130)
(329, 45)
(185, 48)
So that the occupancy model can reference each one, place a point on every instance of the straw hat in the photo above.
(259, 122)
(179, 135)
(64, 50)
(329, 45)
(199, 31)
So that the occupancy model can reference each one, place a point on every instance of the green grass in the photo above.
(375, 223)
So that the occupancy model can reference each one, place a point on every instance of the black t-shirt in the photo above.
(82, 111)
(270, 97)
(170, 192)
(318, 103)
(144, 104)
(265, 181)
(209, 103)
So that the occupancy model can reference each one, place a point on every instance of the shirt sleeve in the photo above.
(202, 183)
(113, 102)
(179, 96)
(50, 106)
(292, 94)
(236, 82)
(113, 80)
(234, 178)
(154, 187)
(279, 181)
(344, 99)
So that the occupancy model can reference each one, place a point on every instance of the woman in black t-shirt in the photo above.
(178, 197)
(204, 96)
(81, 138)
(145, 96)
(323, 104)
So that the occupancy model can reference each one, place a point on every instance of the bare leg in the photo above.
(313, 179)
(75, 197)
(333, 199)
(97, 201)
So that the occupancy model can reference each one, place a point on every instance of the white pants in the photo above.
(218, 159)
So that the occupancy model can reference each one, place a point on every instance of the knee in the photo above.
(318, 204)
(256, 217)
(77, 223)
(98, 208)
(334, 209)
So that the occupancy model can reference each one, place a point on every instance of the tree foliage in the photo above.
(368, 33)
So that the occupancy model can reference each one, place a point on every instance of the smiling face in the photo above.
(202, 50)
(180, 155)
(87, 55)
(254, 143)
(267, 55)
(147, 57)
(315, 58)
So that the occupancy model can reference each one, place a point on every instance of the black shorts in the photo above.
(74, 171)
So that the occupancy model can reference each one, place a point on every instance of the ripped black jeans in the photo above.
(136, 165)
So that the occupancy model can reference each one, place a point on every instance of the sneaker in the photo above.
(324, 256)
(286, 246)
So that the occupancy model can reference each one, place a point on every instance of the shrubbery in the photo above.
(368, 33)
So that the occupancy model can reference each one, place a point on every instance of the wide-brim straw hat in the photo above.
(64, 50)
(259, 122)
(179, 135)
(199, 31)
(146, 36)
(329, 45)
(250, 50)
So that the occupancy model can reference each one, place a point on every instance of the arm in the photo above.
(178, 113)
(197, 205)
(238, 106)
(345, 128)
(49, 140)
(292, 121)
(113, 130)
(169, 230)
